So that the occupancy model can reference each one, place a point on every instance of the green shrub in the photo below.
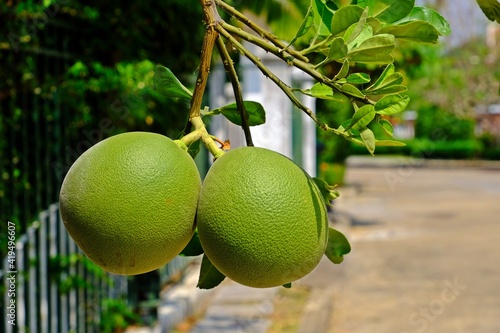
(440, 125)
(425, 148)
(492, 153)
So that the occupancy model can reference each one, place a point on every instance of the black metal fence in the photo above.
(50, 286)
(43, 130)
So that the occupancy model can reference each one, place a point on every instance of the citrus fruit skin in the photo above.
(262, 220)
(129, 202)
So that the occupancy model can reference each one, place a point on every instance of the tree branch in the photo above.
(212, 19)
(284, 87)
(261, 32)
(233, 76)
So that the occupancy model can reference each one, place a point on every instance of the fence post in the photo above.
(32, 278)
(44, 274)
(54, 304)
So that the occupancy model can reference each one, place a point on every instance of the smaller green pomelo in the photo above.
(262, 220)
(129, 202)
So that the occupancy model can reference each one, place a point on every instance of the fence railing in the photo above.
(56, 288)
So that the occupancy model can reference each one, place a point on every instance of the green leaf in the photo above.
(362, 117)
(389, 143)
(356, 29)
(368, 139)
(391, 80)
(305, 25)
(167, 84)
(256, 113)
(374, 23)
(352, 90)
(388, 71)
(346, 124)
(326, 190)
(322, 18)
(194, 148)
(358, 78)
(387, 126)
(344, 70)
(430, 16)
(365, 33)
(490, 8)
(321, 91)
(390, 89)
(414, 31)
(337, 247)
(376, 49)
(391, 104)
(210, 276)
(388, 10)
(288, 285)
(338, 49)
(344, 18)
(193, 248)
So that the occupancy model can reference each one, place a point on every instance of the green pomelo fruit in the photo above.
(129, 202)
(262, 220)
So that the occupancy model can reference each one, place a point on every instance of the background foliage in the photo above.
(65, 87)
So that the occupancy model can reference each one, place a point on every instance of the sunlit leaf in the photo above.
(337, 247)
(365, 33)
(386, 82)
(358, 78)
(387, 126)
(167, 84)
(388, 71)
(362, 117)
(389, 143)
(210, 276)
(391, 104)
(322, 91)
(328, 191)
(414, 31)
(344, 18)
(388, 10)
(376, 49)
(356, 29)
(338, 49)
(430, 16)
(390, 89)
(255, 110)
(346, 124)
(368, 139)
(352, 90)
(344, 70)
(322, 18)
(374, 23)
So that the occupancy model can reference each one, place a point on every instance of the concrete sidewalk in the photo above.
(425, 258)
(425, 253)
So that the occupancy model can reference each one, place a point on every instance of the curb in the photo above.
(180, 301)
(358, 161)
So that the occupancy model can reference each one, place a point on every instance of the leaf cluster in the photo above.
(365, 32)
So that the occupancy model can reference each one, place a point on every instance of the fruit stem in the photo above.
(206, 138)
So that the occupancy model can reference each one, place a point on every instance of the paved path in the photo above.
(237, 309)
(425, 254)
(425, 259)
